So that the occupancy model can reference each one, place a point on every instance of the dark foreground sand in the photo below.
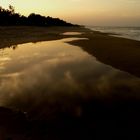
(100, 118)
(120, 53)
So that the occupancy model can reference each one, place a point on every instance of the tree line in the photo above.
(8, 17)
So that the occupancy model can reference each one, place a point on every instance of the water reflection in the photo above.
(14, 47)
(72, 33)
(55, 68)
(50, 78)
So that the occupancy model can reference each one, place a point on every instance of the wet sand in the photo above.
(73, 117)
(120, 53)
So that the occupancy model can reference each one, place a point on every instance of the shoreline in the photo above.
(33, 112)
(14, 35)
(118, 52)
(121, 53)
(125, 32)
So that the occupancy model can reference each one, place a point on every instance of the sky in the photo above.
(84, 12)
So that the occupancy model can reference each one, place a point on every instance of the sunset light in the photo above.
(94, 12)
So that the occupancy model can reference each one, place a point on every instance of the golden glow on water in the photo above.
(72, 33)
(38, 73)
(52, 88)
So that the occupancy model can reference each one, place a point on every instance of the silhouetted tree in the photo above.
(8, 17)
(11, 9)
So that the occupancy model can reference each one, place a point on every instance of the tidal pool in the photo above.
(58, 91)
(72, 33)
(35, 74)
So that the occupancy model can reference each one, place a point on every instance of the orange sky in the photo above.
(89, 12)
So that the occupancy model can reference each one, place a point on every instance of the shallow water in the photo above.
(72, 33)
(125, 32)
(54, 71)
(65, 92)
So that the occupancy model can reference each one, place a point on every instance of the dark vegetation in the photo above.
(9, 17)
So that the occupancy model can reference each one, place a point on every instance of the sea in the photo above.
(125, 32)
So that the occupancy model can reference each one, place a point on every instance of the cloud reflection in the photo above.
(59, 78)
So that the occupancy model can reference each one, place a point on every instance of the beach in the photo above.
(68, 83)
(121, 53)
(13, 35)
(70, 70)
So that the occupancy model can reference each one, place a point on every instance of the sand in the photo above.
(13, 35)
(123, 54)
(99, 119)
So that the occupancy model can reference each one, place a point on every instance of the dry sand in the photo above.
(120, 53)
(13, 35)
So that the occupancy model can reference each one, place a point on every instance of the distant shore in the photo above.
(13, 35)
(120, 53)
